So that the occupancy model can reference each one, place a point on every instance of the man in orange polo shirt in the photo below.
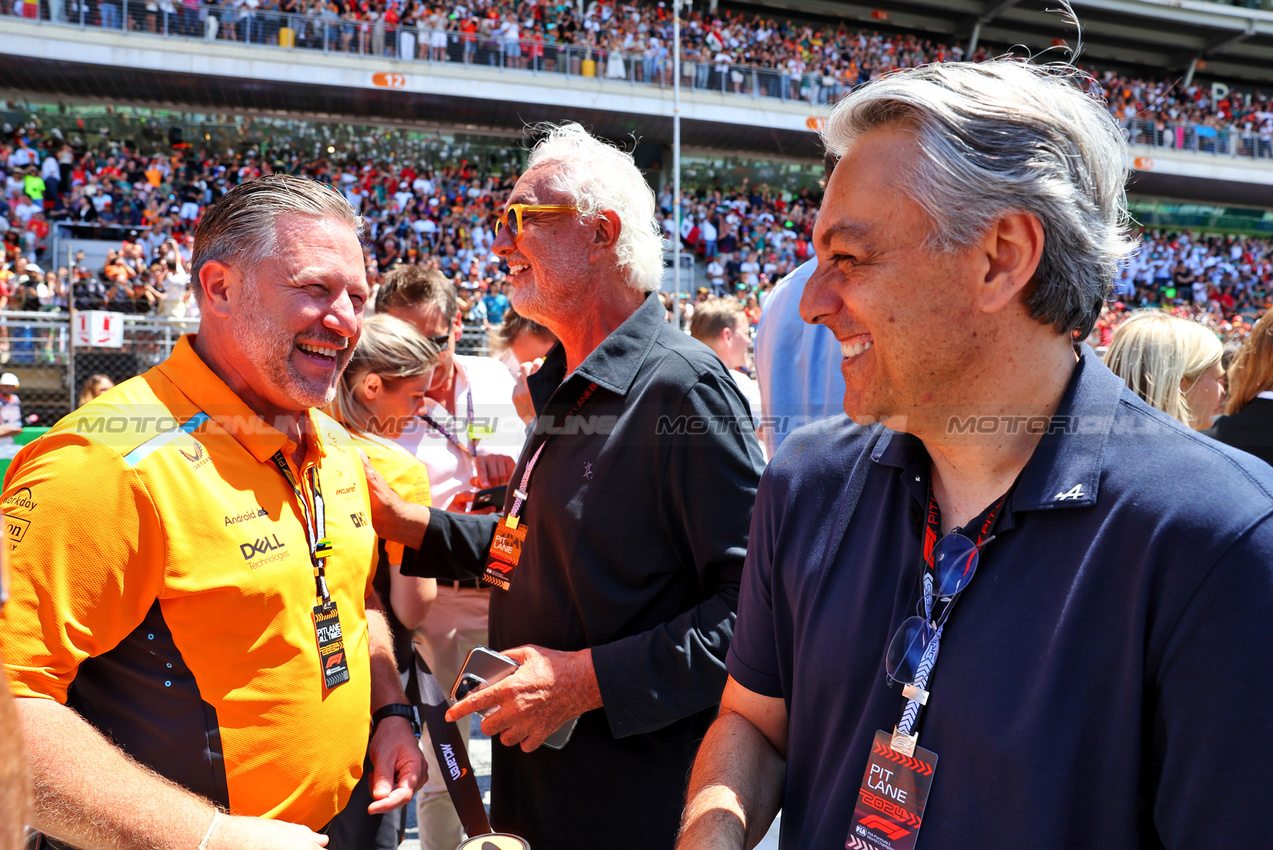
(192, 638)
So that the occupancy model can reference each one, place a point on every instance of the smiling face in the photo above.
(548, 263)
(904, 315)
(296, 317)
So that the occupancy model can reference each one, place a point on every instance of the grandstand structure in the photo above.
(752, 113)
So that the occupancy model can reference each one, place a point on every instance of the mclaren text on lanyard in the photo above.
(510, 535)
(889, 809)
(475, 434)
(331, 642)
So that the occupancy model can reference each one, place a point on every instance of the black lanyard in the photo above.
(315, 523)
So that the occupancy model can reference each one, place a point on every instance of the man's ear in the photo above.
(1012, 247)
(606, 235)
(217, 280)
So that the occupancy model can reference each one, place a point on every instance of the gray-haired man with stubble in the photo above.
(1004, 603)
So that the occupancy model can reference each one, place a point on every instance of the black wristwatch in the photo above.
(397, 709)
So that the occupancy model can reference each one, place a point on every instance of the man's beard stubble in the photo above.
(271, 347)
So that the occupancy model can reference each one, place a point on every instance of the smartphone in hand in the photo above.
(491, 497)
(484, 667)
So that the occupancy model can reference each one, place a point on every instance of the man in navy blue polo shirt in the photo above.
(1087, 663)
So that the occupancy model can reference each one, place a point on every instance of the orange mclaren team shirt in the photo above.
(402, 471)
(162, 587)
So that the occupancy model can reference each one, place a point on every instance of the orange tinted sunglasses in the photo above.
(515, 225)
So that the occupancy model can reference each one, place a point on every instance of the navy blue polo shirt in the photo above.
(1104, 682)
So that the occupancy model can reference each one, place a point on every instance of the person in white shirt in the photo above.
(750, 269)
(402, 197)
(716, 274)
(22, 156)
(721, 325)
(52, 176)
(708, 231)
(25, 209)
(10, 415)
(469, 438)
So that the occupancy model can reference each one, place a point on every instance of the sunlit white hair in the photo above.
(1010, 136)
(599, 176)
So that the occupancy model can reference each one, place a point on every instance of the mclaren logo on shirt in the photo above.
(196, 456)
(260, 546)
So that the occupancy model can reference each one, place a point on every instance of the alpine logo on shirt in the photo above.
(1075, 493)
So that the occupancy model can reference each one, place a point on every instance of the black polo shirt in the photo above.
(1250, 429)
(637, 529)
(1104, 681)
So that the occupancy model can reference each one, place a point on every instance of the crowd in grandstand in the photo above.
(632, 41)
(745, 240)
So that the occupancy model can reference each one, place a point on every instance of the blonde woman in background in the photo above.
(1172, 364)
(1248, 420)
(378, 396)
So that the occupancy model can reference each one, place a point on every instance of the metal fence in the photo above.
(40, 349)
(1254, 143)
(329, 33)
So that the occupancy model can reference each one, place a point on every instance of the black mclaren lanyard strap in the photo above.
(315, 523)
(448, 747)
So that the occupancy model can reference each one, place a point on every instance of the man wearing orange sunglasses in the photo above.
(617, 562)
(517, 210)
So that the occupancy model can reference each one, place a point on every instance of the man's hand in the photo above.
(547, 690)
(493, 470)
(393, 517)
(397, 766)
(240, 833)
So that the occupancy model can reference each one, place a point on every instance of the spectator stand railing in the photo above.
(1253, 143)
(331, 34)
(328, 33)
